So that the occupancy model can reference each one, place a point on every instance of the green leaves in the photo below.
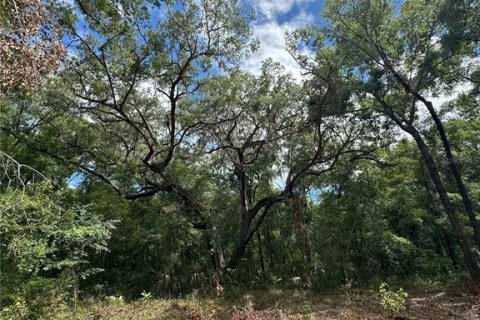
(40, 234)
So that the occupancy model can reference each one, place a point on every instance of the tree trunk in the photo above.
(455, 170)
(241, 243)
(260, 253)
(272, 256)
(452, 163)
(469, 258)
(457, 228)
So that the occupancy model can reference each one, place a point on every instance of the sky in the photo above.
(273, 19)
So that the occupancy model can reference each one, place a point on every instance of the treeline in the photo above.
(150, 162)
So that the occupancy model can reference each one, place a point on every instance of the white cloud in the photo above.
(270, 9)
(271, 35)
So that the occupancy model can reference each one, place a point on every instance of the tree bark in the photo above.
(452, 162)
(457, 228)
(455, 170)
(468, 255)
(247, 231)
(241, 243)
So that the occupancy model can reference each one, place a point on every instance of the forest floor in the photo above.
(290, 304)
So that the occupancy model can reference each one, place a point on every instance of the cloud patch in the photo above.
(271, 35)
(271, 9)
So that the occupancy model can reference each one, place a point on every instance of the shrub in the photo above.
(393, 301)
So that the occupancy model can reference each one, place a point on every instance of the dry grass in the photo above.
(279, 305)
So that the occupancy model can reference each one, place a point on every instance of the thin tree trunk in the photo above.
(469, 258)
(455, 170)
(273, 259)
(260, 253)
(452, 163)
(457, 228)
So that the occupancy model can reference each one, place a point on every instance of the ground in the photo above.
(290, 304)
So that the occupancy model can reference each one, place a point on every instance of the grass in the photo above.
(277, 304)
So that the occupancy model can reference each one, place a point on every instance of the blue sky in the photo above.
(274, 19)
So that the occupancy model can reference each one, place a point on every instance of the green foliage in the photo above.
(39, 234)
(146, 296)
(18, 309)
(191, 158)
(42, 238)
(393, 301)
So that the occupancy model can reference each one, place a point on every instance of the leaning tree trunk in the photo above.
(455, 170)
(468, 255)
(440, 189)
(452, 163)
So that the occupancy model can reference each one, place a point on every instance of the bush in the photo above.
(45, 247)
(393, 301)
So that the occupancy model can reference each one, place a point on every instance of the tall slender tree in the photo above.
(397, 68)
